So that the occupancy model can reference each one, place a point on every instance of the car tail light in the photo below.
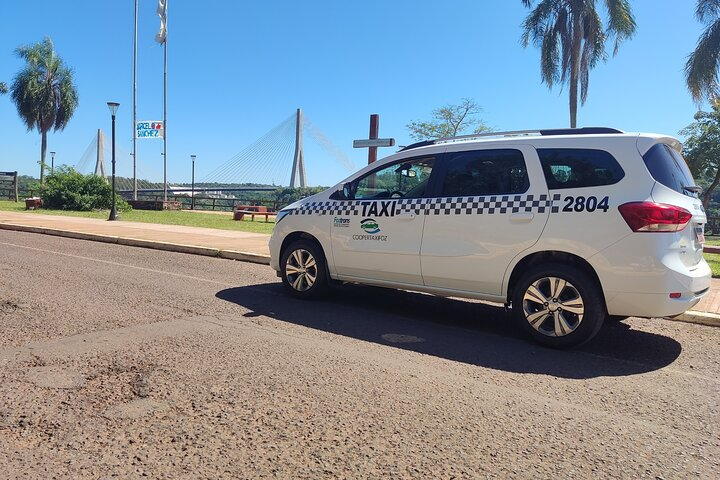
(654, 217)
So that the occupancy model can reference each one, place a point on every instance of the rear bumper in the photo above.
(639, 276)
(652, 304)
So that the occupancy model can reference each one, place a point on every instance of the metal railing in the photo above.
(201, 202)
(212, 203)
(23, 193)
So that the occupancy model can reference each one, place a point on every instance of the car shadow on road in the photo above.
(463, 331)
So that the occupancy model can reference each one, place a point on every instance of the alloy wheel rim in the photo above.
(553, 306)
(301, 270)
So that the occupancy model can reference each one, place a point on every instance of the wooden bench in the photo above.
(239, 214)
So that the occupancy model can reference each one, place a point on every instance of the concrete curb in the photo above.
(700, 318)
(136, 242)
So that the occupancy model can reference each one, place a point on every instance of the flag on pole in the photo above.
(162, 13)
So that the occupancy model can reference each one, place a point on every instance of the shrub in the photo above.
(286, 196)
(67, 189)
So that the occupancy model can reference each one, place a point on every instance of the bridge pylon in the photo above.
(298, 168)
(99, 165)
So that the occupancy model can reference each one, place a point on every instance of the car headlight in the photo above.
(282, 214)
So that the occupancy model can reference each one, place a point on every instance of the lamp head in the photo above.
(113, 106)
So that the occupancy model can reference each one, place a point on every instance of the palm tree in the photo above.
(701, 68)
(571, 39)
(43, 92)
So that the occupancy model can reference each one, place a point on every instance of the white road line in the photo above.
(108, 262)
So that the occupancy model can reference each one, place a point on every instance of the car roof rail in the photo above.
(518, 133)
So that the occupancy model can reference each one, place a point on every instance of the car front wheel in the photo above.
(304, 272)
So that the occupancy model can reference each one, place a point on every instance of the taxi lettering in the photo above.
(379, 209)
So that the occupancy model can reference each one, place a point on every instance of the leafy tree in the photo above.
(701, 68)
(702, 148)
(43, 92)
(285, 196)
(571, 38)
(449, 121)
(67, 189)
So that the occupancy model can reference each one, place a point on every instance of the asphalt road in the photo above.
(124, 362)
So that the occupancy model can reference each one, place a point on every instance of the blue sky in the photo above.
(237, 69)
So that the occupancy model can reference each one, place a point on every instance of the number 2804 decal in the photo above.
(585, 204)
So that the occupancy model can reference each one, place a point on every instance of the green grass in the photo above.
(712, 240)
(713, 259)
(185, 218)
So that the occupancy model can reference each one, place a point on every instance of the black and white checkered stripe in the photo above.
(490, 205)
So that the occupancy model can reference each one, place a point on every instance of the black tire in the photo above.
(559, 306)
(303, 269)
(616, 318)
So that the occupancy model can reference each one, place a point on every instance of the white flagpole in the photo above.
(161, 37)
(165, 109)
(165, 120)
(134, 133)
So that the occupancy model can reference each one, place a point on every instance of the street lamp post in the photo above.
(192, 198)
(113, 106)
(52, 162)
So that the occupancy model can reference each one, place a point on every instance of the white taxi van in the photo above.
(567, 227)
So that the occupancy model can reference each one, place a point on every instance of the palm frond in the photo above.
(564, 29)
(621, 22)
(549, 59)
(536, 23)
(701, 68)
(707, 10)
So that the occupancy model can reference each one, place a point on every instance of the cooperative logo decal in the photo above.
(370, 226)
(341, 222)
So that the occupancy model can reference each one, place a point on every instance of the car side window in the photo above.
(578, 167)
(405, 179)
(485, 172)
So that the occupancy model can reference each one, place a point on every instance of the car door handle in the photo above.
(524, 217)
(405, 217)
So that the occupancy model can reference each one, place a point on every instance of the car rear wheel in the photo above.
(559, 306)
(304, 272)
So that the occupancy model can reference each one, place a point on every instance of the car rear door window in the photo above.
(579, 167)
(485, 172)
(668, 167)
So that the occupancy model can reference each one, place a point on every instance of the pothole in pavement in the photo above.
(7, 307)
(122, 392)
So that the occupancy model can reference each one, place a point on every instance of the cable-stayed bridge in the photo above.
(276, 159)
